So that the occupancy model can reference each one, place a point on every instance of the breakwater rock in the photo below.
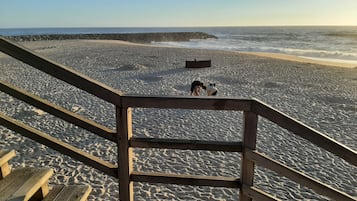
(131, 37)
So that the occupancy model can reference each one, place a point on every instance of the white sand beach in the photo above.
(321, 96)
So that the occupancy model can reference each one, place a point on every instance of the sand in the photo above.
(324, 97)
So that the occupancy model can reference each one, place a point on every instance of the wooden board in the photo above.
(193, 180)
(5, 156)
(69, 193)
(23, 183)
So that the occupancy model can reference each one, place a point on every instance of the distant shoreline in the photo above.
(130, 37)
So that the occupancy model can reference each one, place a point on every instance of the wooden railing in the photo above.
(125, 140)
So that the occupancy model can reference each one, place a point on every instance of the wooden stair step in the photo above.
(25, 183)
(5, 156)
(68, 193)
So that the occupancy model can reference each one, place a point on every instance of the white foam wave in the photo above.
(249, 46)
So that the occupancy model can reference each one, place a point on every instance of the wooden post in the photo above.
(249, 143)
(4, 170)
(125, 153)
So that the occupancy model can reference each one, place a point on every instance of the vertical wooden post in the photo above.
(4, 170)
(125, 153)
(249, 143)
(41, 193)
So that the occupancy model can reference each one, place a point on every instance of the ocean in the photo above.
(330, 43)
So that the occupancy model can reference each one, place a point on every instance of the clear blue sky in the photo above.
(164, 13)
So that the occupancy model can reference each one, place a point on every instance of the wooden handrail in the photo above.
(58, 111)
(186, 102)
(257, 194)
(185, 144)
(60, 72)
(305, 132)
(296, 176)
(192, 180)
(58, 145)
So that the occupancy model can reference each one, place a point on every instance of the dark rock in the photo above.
(131, 37)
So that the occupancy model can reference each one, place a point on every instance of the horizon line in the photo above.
(202, 26)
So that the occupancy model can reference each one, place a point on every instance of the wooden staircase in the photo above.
(31, 183)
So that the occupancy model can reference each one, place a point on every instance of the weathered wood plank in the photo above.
(5, 156)
(68, 193)
(249, 142)
(297, 176)
(125, 152)
(186, 144)
(10, 183)
(4, 170)
(58, 145)
(257, 194)
(60, 71)
(23, 183)
(305, 132)
(193, 180)
(41, 193)
(186, 102)
(54, 191)
(58, 111)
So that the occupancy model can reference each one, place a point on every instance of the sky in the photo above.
(175, 13)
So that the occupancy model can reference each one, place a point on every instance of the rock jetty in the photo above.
(130, 37)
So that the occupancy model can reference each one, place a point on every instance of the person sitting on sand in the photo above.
(196, 87)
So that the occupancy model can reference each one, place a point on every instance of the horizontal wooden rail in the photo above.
(186, 144)
(257, 194)
(192, 180)
(186, 102)
(60, 71)
(297, 176)
(58, 145)
(305, 132)
(58, 111)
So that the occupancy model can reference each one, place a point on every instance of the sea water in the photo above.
(330, 43)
